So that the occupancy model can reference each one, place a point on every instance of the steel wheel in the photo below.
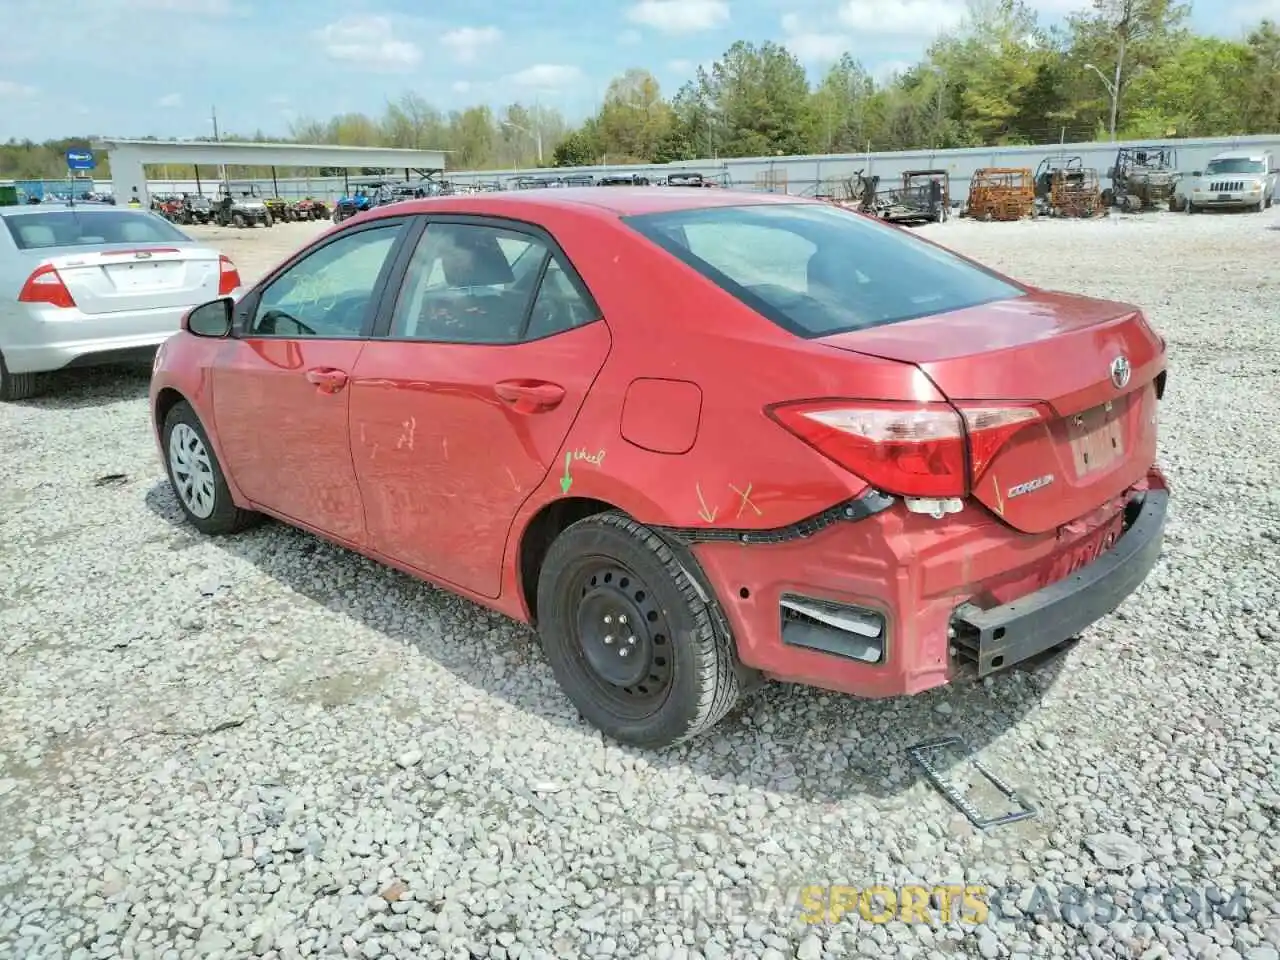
(622, 637)
(192, 471)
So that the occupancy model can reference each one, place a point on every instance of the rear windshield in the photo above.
(78, 228)
(816, 269)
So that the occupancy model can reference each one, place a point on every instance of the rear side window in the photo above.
(817, 270)
(73, 228)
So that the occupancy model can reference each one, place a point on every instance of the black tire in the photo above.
(686, 674)
(225, 517)
(238, 221)
(266, 220)
(16, 386)
(1191, 207)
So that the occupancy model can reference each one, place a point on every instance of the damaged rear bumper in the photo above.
(1002, 636)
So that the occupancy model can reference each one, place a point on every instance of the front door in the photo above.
(458, 414)
(281, 397)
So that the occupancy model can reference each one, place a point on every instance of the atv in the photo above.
(279, 208)
(349, 205)
(310, 209)
(241, 206)
(1142, 178)
(197, 209)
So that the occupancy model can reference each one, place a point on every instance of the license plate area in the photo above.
(1083, 553)
(130, 277)
(1097, 438)
(1224, 196)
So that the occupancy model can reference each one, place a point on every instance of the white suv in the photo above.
(1236, 179)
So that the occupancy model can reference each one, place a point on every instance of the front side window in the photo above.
(817, 270)
(1217, 168)
(328, 293)
(79, 228)
(472, 283)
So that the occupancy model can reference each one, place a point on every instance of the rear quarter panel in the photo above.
(743, 471)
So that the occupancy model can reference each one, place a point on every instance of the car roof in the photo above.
(1241, 155)
(81, 206)
(620, 201)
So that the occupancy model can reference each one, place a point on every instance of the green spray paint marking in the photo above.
(566, 481)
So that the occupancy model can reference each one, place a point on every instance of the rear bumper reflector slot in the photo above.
(842, 630)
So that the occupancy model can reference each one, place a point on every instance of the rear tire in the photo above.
(16, 386)
(196, 476)
(609, 585)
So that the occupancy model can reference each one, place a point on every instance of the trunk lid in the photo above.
(1097, 436)
(137, 276)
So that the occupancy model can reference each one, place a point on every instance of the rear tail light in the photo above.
(990, 428)
(46, 286)
(228, 276)
(907, 449)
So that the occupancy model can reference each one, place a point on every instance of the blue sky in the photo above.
(156, 67)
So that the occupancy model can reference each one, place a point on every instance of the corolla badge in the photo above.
(1030, 486)
(1120, 371)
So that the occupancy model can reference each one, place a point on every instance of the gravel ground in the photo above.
(266, 746)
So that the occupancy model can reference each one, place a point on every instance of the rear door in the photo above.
(1091, 367)
(459, 408)
(281, 387)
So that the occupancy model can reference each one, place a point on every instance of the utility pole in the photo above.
(222, 170)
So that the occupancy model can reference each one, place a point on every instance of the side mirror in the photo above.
(212, 319)
(1197, 173)
(1111, 173)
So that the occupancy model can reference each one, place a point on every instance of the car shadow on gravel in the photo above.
(90, 387)
(790, 739)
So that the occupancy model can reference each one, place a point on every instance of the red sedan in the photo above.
(697, 438)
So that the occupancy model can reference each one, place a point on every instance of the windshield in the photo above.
(1234, 165)
(75, 228)
(817, 270)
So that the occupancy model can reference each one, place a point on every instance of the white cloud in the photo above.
(902, 18)
(466, 42)
(461, 86)
(170, 100)
(547, 76)
(812, 46)
(630, 37)
(884, 71)
(680, 16)
(280, 100)
(681, 66)
(11, 90)
(369, 42)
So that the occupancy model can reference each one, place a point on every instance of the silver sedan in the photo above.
(89, 284)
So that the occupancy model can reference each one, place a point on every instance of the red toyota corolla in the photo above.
(697, 438)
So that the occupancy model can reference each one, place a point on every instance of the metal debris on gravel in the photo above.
(265, 746)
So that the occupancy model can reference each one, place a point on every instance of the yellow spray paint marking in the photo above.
(704, 511)
(746, 500)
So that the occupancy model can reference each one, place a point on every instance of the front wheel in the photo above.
(196, 476)
(630, 641)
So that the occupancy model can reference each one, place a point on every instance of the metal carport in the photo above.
(128, 158)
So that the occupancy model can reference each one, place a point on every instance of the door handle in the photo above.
(529, 396)
(327, 379)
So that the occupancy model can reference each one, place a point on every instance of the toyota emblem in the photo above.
(1120, 372)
